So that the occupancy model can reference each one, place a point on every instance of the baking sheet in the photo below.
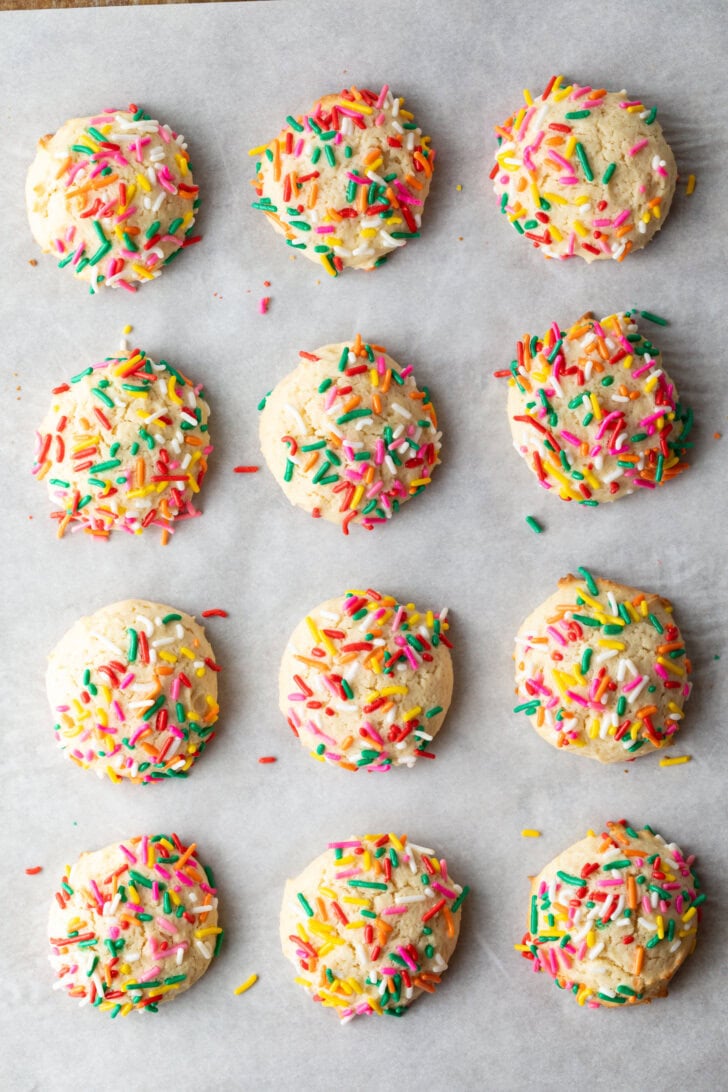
(453, 303)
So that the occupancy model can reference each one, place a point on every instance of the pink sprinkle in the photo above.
(446, 891)
(395, 910)
(638, 146)
(620, 218)
(553, 632)
(344, 845)
(263, 305)
(128, 853)
(382, 96)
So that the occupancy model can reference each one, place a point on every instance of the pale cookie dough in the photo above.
(346, 183)
(133, 925)
(348, 435)
(601, 670)
(112, 197)
(584, 173)
(366, 682)
(592, 411)
(614, 917)
(124, 446)
(371, 924)
(133, 689)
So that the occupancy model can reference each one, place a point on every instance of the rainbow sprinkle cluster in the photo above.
(544, 174)
(395, 646)
(138, 714)
(377, 910)
(633, 892)
(346, 182)
(124, 447)
(598, 415)
(366, 482)
(122, 934)
(124, 168)
(576, 681)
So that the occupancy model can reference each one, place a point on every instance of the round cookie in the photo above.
(133, 688)
(124, 446)
(584, 173)
(371, 924)
(112, 197)
(613, 917)
(133, 925)
(593, 413)
(366, 682)
(601, 670)
(348, 435)
(346, 183)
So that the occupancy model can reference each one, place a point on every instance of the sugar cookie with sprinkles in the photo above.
(366, 682)
(584, 172)
(133, 925)
(124, 447)
(592, 411)
(348, 434)
(602, 670)
(346, 183)
(613, 917)
(371, 924)
(112, 197)
(133, 689)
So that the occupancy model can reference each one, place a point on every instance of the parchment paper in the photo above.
(453, 303)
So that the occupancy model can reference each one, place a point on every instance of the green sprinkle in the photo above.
(534, 525)
(460, 899)
(305, 904)
(154, 708)
(586, 660)
(288, 474)
(608, 173)
(573, 115)
(345, 417)
(582, 156)
(294, 124)
(104, 397)
(574, 881)
(654, 318)
(329, 153)
(651, 116)
(534, 916)
(615, 864)
(369, 884)
(589, 581)
(171, 618)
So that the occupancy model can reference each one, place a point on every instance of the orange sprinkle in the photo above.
(33, 871)
(639, 959)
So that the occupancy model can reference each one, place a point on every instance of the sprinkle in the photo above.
(33, 871)
(265, 759)
(246, 469)
(246, 984)
(527, 832)
(690, 188)
(263, 305)
(215, 613)
(534, 525)
(679, 760)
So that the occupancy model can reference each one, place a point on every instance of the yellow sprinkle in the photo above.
(144, 182)
(127, 329)
(395, 840)
(595, 406)
(359, 107)
(570, 146)
(690, 188)
(612, 644)
(259, 150)
(411, 714)
(680, 760)
(527, 96)
(580, 229)
(459, 187)
(528, 833)
(591, 938)
(689, 914)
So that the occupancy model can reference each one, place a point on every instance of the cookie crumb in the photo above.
(32, 261)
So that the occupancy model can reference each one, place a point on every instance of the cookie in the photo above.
(348, 435)
(613, 917)
(124, 447)
(593, 412)
(133, 925)
(347, 182)
(601, 670)
(133, 689)
(366, 682)
(112, 198)
(584, 173)
(371, 924)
